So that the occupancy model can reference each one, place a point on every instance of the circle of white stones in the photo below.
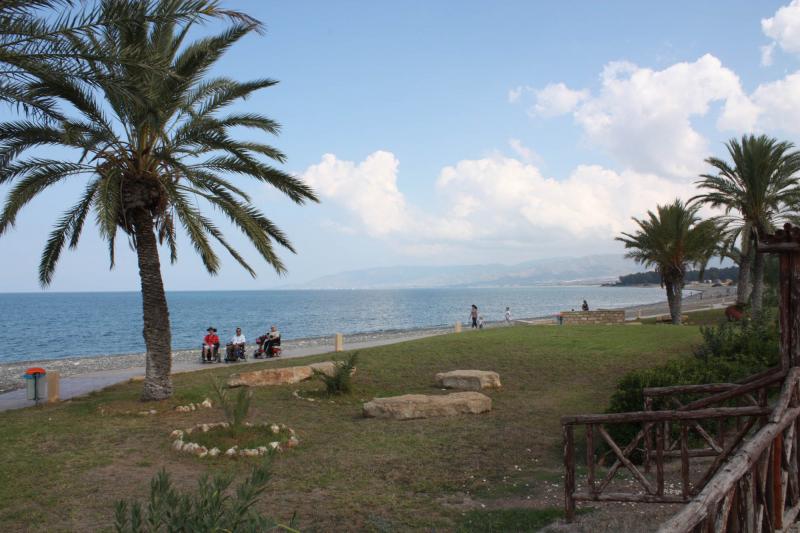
(181, 443)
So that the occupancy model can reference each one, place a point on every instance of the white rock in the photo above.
(275, 428)
(192, 407)
(292, 442)
(262, 450)
(231, 451)
(176, 434)
(206, 403)
(213, 452)
(178, 444)
(153, 411)
(205, 428)
(201, 451)
(201, 455)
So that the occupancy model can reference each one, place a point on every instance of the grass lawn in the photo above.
(64, 466)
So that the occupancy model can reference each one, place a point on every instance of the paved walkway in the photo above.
(85, 383)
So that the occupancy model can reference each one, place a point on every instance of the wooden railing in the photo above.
(758, 489)
(683, 433)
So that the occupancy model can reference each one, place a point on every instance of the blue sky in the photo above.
(473, 132)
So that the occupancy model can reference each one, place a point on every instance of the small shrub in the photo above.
(341, 382)
(235, 409)
(729, 352)
(209, 509)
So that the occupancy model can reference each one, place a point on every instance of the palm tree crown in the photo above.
(157, 145)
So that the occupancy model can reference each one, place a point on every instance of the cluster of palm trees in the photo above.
(756, 191)
(120, 86)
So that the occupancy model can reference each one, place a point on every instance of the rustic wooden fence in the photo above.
(746, 451)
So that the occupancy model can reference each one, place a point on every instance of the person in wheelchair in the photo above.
(235, 349)
(210, 351)
(269, 344)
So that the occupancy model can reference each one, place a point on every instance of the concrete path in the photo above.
(83, 384)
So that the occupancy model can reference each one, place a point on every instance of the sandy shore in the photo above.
(11, 373)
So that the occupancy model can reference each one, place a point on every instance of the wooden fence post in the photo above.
(569, 475)
(53, 387)
(458, 327)
(339, 343)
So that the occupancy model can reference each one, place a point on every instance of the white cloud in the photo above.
(368, 189)
(778, 104)
(493, 202)
(556, 99)
(784, 27)
(515, 93)
(527, 154)
(766, 54)
(643, 117)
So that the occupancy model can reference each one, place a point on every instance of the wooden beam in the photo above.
(569, 475)
(627, 462)
(738, 465)
(659, 416)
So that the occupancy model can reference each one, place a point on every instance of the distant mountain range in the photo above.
(592, 269)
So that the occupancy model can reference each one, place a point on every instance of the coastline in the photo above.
(189, 359)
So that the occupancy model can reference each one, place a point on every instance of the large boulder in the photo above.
(280, 376)
(411, 406)
(468, 379)
(270, 376)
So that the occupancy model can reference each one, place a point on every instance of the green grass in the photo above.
(708, 317)
(502, 520)
(64, 466)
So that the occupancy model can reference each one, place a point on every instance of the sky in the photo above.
(469, 132)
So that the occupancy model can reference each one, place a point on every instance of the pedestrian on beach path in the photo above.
(474, 316)
(508, 316)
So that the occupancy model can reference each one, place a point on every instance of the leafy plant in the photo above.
(729, 352)
(211, 508)
(236, 408)
(341, 381)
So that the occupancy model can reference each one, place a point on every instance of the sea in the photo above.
(40, 326)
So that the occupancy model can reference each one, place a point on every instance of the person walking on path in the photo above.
(474, 315)
(508, 316)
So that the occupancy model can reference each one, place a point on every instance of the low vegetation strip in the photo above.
(65, 466)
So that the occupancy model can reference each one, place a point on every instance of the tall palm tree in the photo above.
(757, 190)
(672, 240)
(151, 148)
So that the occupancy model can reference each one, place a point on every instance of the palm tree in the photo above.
(757, 191)
(151, 148)
(37, 38)
(671, 241)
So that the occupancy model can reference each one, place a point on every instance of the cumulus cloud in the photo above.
(784, 28)
(368, 189)
(557, 99)
(778, 104)
(493, 201)
(643, 117)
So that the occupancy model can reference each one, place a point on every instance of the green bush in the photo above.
(729, 352)
(341, 382)
(210, 509)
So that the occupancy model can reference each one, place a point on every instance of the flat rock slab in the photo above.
(469, 380)
(279, 376)
(411, 406)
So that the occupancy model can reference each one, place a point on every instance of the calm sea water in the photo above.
(57, 325)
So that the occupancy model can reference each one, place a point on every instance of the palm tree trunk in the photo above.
(675, 300)
(757, 297)
(157, 335)
(743, 286)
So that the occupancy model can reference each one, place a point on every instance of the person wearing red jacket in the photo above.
(211, 346)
